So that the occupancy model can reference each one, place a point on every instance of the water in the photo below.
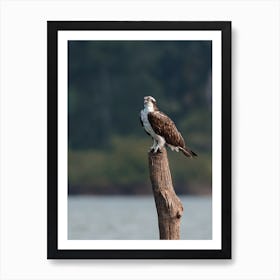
(133, 217)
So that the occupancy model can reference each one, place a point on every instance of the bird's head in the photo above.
(150, 104)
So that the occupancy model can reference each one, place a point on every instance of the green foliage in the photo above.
(125, 167)
(198, 128)
(108, 80)
(123, 164)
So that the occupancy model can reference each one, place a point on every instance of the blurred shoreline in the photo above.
(135, 190)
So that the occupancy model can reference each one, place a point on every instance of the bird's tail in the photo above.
(187, 152)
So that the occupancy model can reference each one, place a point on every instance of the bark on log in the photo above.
(169, 206)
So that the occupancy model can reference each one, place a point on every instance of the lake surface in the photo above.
(133, 217)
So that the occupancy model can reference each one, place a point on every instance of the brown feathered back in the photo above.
(165, 127)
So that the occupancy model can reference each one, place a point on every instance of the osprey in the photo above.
(162, 129)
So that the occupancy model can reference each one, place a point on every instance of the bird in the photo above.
(162, 129)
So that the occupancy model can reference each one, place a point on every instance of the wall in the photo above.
(255, 139)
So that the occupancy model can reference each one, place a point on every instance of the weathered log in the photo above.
(169, 206)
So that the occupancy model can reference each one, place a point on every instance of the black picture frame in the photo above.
(53, 27)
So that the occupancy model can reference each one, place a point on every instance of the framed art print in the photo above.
(121, 96)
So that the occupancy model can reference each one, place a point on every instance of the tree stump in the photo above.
(169, 206)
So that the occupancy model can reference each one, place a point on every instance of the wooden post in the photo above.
(169, 206)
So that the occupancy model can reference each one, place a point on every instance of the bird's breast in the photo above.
(146, 123)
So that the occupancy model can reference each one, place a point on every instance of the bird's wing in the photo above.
(165, 127)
